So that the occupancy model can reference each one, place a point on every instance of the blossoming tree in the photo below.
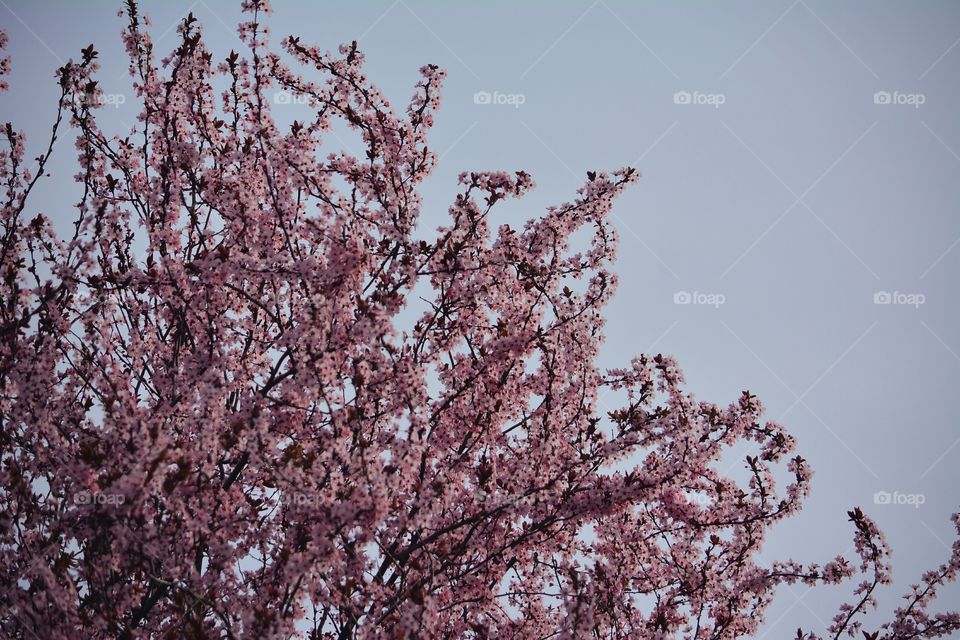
(215, 426)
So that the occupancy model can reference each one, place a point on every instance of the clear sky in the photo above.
(800, 191)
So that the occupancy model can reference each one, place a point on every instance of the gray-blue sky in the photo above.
(797, 199)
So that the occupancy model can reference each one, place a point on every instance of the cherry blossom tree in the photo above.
(217, 425)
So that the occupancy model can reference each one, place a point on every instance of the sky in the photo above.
(795, 232)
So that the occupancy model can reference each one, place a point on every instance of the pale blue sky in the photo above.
(791, 190)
